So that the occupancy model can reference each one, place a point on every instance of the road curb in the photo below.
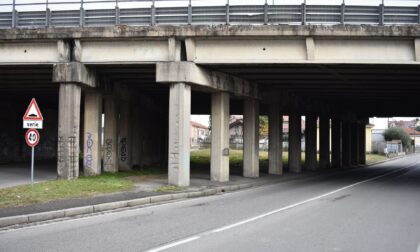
(98, 208)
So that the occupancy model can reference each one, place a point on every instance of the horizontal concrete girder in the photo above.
(74, 72)
(188, 72)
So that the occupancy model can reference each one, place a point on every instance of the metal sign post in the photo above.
(32, 139)
(32, 166)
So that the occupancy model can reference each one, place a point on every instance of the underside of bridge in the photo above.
(113, 103)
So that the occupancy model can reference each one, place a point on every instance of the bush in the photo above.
(398, 134)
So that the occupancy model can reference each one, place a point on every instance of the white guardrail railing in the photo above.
(74, 13)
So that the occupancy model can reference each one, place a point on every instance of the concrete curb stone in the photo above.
(45, 216)
(78, 211)
(109, 206)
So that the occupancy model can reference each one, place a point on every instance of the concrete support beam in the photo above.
(310, 142)
(275, 140)
(219, 168)
(179, 134)
(362, 143)
(355, 137)
(251, 138)
(92, 133)
(336, 143)
(295, 135)
(124, 137)
(68, 131)
(324, 142)
(202, 78)
(346, 144)
(111, 134)
(74, 72)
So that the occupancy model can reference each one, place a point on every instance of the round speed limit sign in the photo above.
(32, 137)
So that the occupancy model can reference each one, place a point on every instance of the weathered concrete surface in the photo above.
(68, 131)
(295, 134)
(251, 138)
(188, 72)
(92, 133)
(219, 165)
(179, 134)
(111, 134)
(275, 135)
(74, 72)
(124, 137)
(310, 142)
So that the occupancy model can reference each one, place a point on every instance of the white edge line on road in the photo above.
(240, 223)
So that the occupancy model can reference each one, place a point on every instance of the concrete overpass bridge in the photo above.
(148, 80)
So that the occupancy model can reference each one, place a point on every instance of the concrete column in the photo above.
(354, 143)
(179, 134)
(295, 135)
(324, 142)
(68, 131)
(346, 144)
(362, 143)
(219, 166)
(135, 135)
(111, 134)
(310, 142)
(275, 140)
(336, 143)
(92, 133)
(124, 137)
(251, 138)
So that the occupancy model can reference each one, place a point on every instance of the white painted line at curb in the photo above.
(240, 223)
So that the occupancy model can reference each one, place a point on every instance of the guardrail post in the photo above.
(303, 11)
(47, 17)
(381, 14)
(153, 14)
(418, 14)
(82, 17)
(343, 13)
(117, 15)
(227, 14)
(14, 14)
(265, 13)
(189, 14)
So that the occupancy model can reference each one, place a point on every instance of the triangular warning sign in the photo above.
(33, 112)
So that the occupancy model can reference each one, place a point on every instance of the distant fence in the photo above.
(225, 14)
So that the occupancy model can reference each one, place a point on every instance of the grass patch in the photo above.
(372, 158)
(168, 188)
(67, 189)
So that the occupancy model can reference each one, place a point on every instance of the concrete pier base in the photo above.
(310, 143)
(336, 143)
(135, 135)
(324, 142)
(111, 134)
(275, 141)
(124, 137)
(355, 137)
(92, 133)
(346, 144)
(219, 167)
(362, 143)
(179, 134)
(295, 133)
(68, 131)
(251, 138)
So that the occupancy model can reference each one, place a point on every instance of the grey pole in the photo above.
(32, 167)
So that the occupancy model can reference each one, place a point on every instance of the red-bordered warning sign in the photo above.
(32, 137)
(32, 119)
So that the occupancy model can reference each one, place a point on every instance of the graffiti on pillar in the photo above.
(123, 149)
(108, 151)
(89, 151)
(74, 157)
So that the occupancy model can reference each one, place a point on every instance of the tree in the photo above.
(263, 126)
(398, 134)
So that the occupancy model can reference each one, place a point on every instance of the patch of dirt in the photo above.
(137, 179)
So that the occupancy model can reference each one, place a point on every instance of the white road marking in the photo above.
(240, 223)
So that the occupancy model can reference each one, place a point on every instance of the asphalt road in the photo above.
(369, 209)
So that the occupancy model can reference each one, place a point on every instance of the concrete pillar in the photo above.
(295, 135)
(346, 144)
(324, 142)
(179, 134)
(275, 140)
(92, 133)
(354, 143)
(68, 131)
(251, 138)
(135, 135)
(219, 166)
(310, 142)
(111, 134)
(336, 143)
(124, 137)
(362, 143)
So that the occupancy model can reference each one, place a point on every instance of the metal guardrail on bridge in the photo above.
(212, 15)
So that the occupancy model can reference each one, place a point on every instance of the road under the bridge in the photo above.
(369, 209)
